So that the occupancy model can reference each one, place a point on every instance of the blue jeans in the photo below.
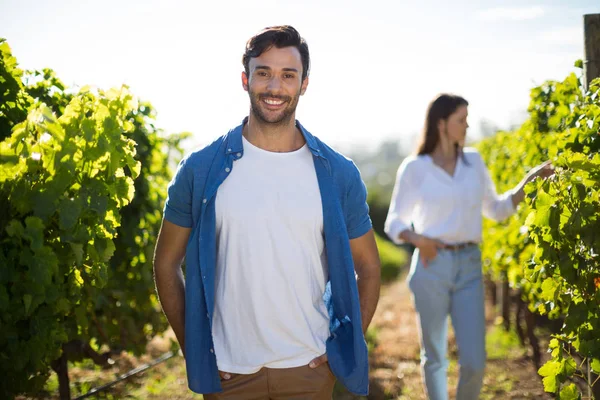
(450, 285)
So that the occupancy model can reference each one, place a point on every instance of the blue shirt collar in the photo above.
(235, 145)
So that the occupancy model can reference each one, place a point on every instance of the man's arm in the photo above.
(168, 255)
(368, 269)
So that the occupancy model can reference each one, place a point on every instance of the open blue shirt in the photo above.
(191, 204)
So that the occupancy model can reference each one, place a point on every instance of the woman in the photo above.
(443, 191)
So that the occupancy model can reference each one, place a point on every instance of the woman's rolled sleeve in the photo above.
(401, 205)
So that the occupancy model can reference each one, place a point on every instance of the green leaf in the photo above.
(585, 346)
(4, 299)
(555, 347)
(43, 203)
(581, 162)
(576, 344)
(124, 191)
(549, 287)
(88, 127)
(44, 266)
(565, 216)
(102, 275)
(81, 317)
(12, 168)
(550, 368)
(34, 231)
(98, 203)
(63, 306)
(134, 166)
(15, 228)
(78, 251)
(568, 367)
(77, 279)
(551, 384)
(569, 392)
(109, 251)
(27, 302)
(578, 63)
(69, 211)
(543, 202)
(105, 248)
(595, 365)
(530, 220)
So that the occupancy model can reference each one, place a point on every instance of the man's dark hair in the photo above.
(278, 36)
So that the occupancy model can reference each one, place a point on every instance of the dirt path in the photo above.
(395, 370)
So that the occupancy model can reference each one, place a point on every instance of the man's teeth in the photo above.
(273, 102)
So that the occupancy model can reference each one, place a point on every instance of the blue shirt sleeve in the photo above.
(358, 221)
(178, 207)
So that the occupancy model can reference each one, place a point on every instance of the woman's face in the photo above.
(455, 127)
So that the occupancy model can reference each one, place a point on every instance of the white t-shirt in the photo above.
(445, 207)
(271, 263)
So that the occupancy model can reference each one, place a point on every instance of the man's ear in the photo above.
(304, 86)
(245, 81)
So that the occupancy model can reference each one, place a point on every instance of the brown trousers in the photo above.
(300, 383)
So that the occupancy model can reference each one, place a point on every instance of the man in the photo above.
(275, 230)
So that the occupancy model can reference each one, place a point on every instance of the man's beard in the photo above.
(281, 117)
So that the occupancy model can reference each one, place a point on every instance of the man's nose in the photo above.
(274, 84)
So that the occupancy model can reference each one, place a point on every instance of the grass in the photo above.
(496, 387)
(371, 337)
(393, 259)
(166, 382)
(501, 344)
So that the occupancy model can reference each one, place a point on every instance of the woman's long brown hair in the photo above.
(440, 108)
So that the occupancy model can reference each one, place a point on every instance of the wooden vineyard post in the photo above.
(591, 54)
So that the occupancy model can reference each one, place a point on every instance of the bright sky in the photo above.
(375, 64)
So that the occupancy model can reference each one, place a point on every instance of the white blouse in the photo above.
(445, 207)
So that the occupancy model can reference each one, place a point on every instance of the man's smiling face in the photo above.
(275, 84)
